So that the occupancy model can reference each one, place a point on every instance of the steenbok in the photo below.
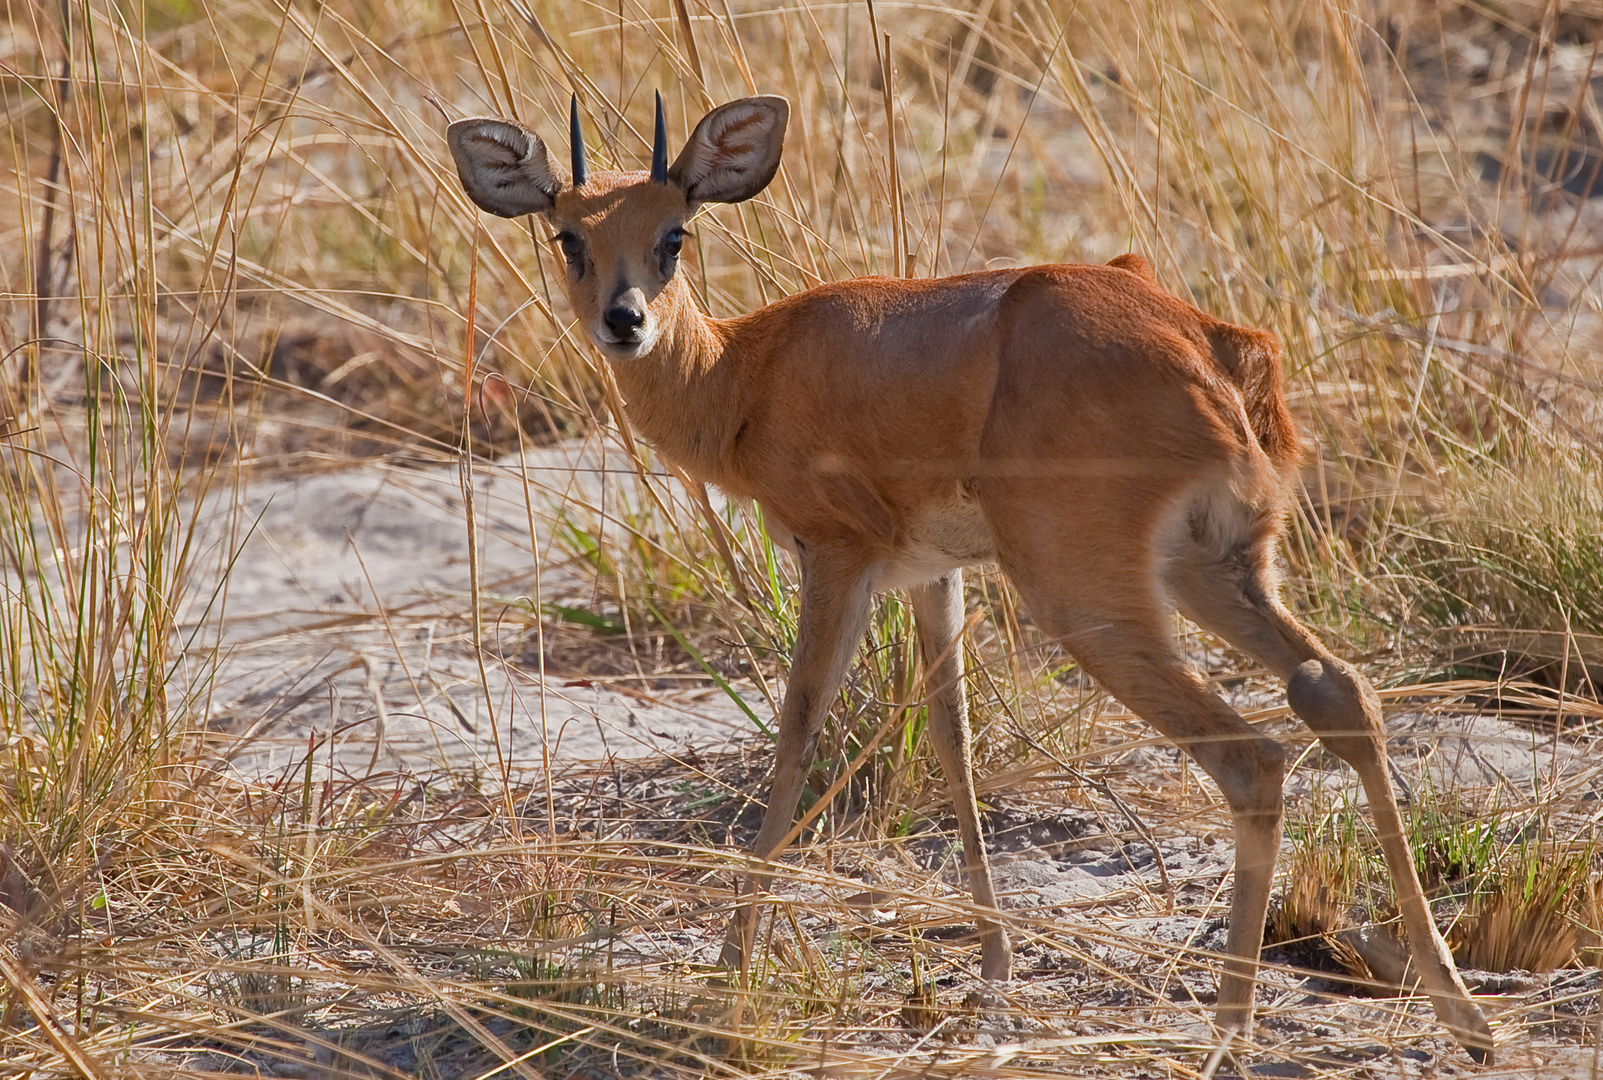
(1115, 450)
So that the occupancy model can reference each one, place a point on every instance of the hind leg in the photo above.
(1235, 595)
(1101, 600)
(1136, 660)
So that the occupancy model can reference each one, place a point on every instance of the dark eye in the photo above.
(668, 250)
(572, 249)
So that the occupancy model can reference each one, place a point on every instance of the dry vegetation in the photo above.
(235, 249)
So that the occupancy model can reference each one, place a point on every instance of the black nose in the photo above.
(625, 321)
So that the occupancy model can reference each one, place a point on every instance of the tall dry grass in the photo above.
(236, 246)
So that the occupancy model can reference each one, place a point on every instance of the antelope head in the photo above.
(620, 232)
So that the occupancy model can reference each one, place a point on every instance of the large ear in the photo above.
(503, 166)
(734, 151)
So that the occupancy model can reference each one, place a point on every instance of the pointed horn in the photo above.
(576, 141)
(659, 147)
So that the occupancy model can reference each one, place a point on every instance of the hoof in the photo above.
(1475, 1036)
(1458, 1013)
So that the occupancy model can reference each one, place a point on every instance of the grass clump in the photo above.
(1533, 913)
(1520, 904)
(1509, 577)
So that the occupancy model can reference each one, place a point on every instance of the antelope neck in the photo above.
(683, 395)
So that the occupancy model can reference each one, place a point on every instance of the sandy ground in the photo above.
(342, 618)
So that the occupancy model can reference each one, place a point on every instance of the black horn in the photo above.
(576, 140)
(659, 147)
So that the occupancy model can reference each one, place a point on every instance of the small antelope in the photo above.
(1114, 449)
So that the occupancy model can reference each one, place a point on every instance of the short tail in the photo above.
(1136, 264)
(1253, 360)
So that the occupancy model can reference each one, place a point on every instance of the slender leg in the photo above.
(1099, 593)
(1137, 662)
(835, 597)
(1342, 709)
(938, 610)
(1238, 601)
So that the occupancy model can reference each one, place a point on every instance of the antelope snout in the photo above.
(625, 318)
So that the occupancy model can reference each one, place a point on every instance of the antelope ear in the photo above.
(734, 151)
(503, 166)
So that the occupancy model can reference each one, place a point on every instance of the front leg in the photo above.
(835, 593)
(938, 610)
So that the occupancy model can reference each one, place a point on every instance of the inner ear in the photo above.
(504, 167)
(734, 151)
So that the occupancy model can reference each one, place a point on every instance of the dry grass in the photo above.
(236, 248)
(1531, 918)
